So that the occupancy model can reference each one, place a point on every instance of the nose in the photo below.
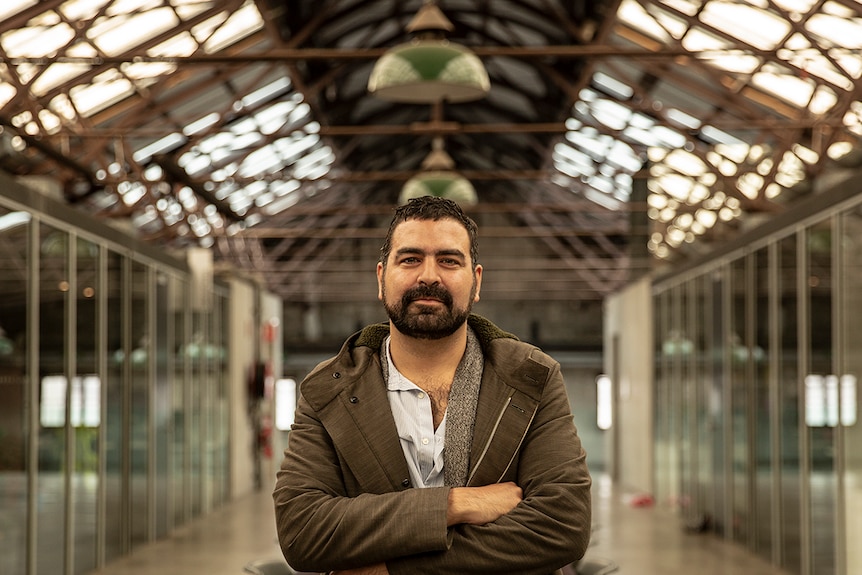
(428, 273)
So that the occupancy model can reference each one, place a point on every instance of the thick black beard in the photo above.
(427, 322)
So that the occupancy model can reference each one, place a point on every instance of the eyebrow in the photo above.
(446, 252)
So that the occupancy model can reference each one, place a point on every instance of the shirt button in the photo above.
(424, 441)
(405, 483)
(421, 395)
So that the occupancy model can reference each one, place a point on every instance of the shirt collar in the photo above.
(396, 381)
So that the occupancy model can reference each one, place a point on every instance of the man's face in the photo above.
(428, 285)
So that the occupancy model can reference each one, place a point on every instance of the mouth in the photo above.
(426, 301)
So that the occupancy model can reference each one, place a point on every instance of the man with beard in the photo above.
(435, 443)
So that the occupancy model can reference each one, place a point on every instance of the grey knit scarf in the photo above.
(461, 411)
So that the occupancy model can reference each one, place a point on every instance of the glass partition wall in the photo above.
(758, 358)
(109, 385)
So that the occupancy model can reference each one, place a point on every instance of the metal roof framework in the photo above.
(619, 136)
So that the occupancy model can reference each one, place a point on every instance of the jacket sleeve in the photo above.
(550, 528)
(327, 521)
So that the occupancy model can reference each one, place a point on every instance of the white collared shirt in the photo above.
(421, 443)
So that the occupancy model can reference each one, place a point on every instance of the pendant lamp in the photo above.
(438, 178)
(429, 68)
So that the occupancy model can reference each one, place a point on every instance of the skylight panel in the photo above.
(36, 41)
(241, 23)
(188, 9)
(643, 136)
(675, 26)
(685, 163)
(823, 101)
(736, 62)
(56, 75)
(7, 92)
(81, 9)
(611, 86)
(271, 118)
(836, 31)
(699, 40)
(201, 124)
(162, 145)
(147, 70)
(623, 156)
(668, 137)
(282, 203)
(601, 199)
(117, 35)
(759, 28)
(183, 44)
(795, 7)
(291, 148)
(267, 92)
(314, 165)
(246, 141)
(788, 87)
(196, 164)
(282, 188)
(582, 163)
(611, 114)
(11, 7)
(688, 7)
(105, 89)
(633, 14)
(50, 122)
(814, 63)
(717, 136)
(262, 161)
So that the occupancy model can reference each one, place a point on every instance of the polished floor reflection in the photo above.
(641, 540)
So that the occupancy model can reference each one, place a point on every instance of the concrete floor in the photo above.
(640, 540)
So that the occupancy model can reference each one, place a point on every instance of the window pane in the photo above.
(140, 392)
(762, 424)
(788, 398)
(86, 409)
(821, 439)
(53, 400)
(850, 392)
(115, 450)
(14, 422)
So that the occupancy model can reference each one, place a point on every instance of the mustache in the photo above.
(427, 292)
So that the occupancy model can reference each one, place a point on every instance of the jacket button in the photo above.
(336, 375)
(405, 483)
(354, 399)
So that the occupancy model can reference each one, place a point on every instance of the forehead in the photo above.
(431, 235)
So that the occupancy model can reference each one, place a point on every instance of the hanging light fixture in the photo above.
(438, 178)
(429, 68)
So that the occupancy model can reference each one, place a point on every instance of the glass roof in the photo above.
(249, 147)
(795, 61)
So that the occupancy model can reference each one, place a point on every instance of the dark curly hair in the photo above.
(432, 208)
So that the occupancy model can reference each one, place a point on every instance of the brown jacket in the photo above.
(343, 498)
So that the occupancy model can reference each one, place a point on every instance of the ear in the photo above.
(478, 274)
(380, 281)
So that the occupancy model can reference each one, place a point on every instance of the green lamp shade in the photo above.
(427, 71)
(442, 184)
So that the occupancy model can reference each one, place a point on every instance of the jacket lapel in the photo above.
(503, 417)
(360, 423)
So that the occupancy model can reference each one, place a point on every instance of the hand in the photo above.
(379, 569)
(481, 505)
